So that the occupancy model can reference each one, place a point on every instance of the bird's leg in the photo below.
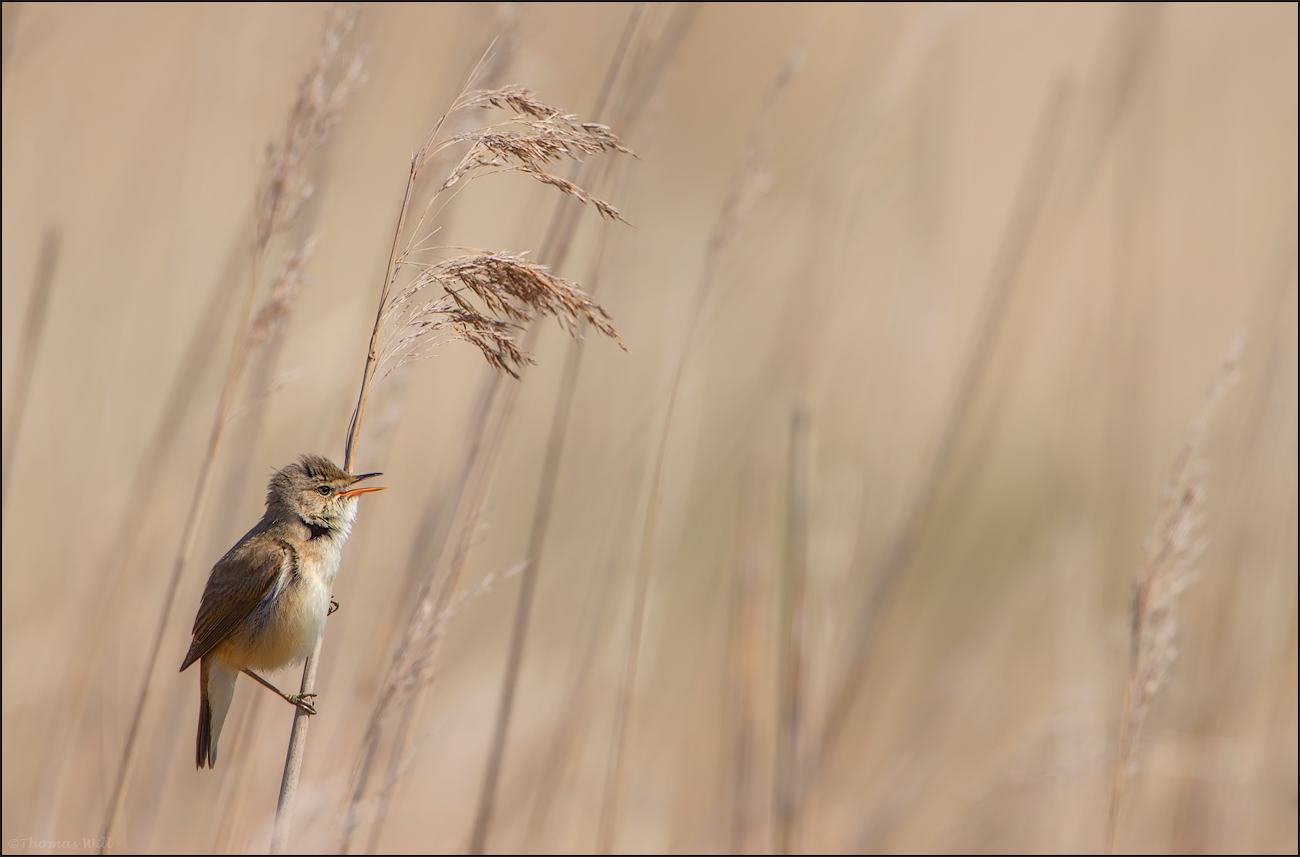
(334, 605)
(301, 700)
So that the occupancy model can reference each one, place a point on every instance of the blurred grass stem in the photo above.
(786, 797)
(313, 113)
(542, 507)
(747, 185)
(901, 549)
(28, 347)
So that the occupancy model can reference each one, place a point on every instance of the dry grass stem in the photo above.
(644, 59)
(279, 200)
(786, 797)
(901, 549)
(637, 604)
(82, 667)
(443, 576)
(744, 667)
(500, 48)
(33, 327)
(1063, 161)
(583, 673)
(1170, 551)
(480, 298)
(748, 183)
(444, 510)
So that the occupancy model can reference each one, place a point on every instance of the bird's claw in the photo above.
(302, 701)
(334, 605)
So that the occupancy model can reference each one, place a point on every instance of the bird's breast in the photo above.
(284, 628)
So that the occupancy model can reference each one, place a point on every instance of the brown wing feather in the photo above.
(239, 580)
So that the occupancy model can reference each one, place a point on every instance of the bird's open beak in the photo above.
(353, 492)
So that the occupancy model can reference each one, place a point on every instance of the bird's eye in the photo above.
(324, 490)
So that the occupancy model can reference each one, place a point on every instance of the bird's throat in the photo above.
(317, 531)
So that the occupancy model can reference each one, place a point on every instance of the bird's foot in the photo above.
(303, 701)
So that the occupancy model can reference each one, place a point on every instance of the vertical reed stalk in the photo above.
(189, 533)
(523, 607)
(28, 347)
(87, 651)
(435, 528)
(443, 600)
(747, 185)
(298, 732)
(542, 507)
(481, 298)
(577, 697)
(1106, 95)
(901, 549)
(744, 647)
(313, 114)
(786, 796)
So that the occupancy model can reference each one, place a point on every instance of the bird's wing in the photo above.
(239, 580)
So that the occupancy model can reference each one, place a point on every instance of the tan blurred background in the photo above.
(902, 226)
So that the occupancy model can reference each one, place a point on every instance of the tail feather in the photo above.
(216, 688)
(204, 743)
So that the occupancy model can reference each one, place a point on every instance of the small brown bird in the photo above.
(266, 600)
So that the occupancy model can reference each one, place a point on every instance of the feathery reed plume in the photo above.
(285, 289)
(441, 568)
(510, 289)
(33, 327)
(314, 114)
(653, 50)
(537, 137)
(280, 198)
(504, 284)
(1171, 548)
(748, 184)
(445, 508)
(501, 22)
(478, 297)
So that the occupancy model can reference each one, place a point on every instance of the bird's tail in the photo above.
(216, 689)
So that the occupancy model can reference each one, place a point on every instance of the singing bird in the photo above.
(266, 600)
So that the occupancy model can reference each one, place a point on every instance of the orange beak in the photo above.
(354, 492)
